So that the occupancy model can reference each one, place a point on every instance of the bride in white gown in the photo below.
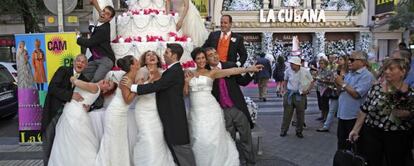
(212, 144)
(150, 148)
(114, 149)
(75, 142)
(190, 21)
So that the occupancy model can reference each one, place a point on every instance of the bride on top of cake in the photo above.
(190, 22)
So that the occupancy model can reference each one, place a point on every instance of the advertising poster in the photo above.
(38, 56)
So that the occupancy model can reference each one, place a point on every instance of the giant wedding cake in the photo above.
(147, 26)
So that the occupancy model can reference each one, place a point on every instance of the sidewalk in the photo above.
(316, 149)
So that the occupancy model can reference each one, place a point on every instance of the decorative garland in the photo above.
(341, 47)
(364, 42)
(252, 107)
(253, 49)
(292, 3)
(242, 5)
(333, 5)
(279, 49)
(320, 43)
(267, 42)
(307, 50)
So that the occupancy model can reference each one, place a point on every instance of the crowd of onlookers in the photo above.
(374, 106)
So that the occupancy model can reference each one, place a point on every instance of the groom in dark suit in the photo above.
(229, 45)
(237, 117)
(170, 105)
(60, 91)
(103, 57)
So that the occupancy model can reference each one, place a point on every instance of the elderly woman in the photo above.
(383, 118)
(323, 85)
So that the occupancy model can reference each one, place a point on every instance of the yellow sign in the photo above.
(72, 19)
(51, 19)
(61, 49)
(380, 2)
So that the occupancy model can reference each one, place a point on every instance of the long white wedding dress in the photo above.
(193, 26)
(212, 144)
(114, 149)
(150, 148)
(75, 142)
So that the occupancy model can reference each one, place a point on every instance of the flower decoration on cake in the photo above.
(148, 12)
(116, 68)
(188, 65)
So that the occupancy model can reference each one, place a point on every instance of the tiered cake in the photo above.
(146, 26)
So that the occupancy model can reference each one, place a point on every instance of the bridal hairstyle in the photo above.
(125, 63)
(176, 49)
(111, 9)
(144, 56)
(110, 91)
(197, 51)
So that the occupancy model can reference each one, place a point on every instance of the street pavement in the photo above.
(315, 149)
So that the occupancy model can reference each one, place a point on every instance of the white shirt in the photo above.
(227, 34)
(298, 81)
(76, 74)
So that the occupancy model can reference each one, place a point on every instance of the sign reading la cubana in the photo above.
(292, 15)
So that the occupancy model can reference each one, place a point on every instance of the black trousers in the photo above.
(344, 128)
(380, 147)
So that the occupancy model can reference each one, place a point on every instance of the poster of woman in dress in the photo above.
(38, 59)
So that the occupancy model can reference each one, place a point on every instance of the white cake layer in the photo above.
(146, 4)
(138, 48)
(143, 25)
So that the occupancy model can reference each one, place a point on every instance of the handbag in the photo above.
(348, 157)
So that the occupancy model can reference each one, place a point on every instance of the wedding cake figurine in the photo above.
(147, 26)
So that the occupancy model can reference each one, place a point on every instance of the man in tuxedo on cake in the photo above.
(99, 44)
(237, 116)
(60, 91)
(170, 105)
(229, 45)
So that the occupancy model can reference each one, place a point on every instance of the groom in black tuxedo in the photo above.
(229, 45)
(170, 105)
(237, 116)
(103, 57)
(60, 91)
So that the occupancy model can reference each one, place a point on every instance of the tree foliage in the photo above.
(357, 8)
(28, 9)
(404, 17)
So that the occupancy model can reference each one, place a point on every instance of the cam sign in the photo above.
(293, 15)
